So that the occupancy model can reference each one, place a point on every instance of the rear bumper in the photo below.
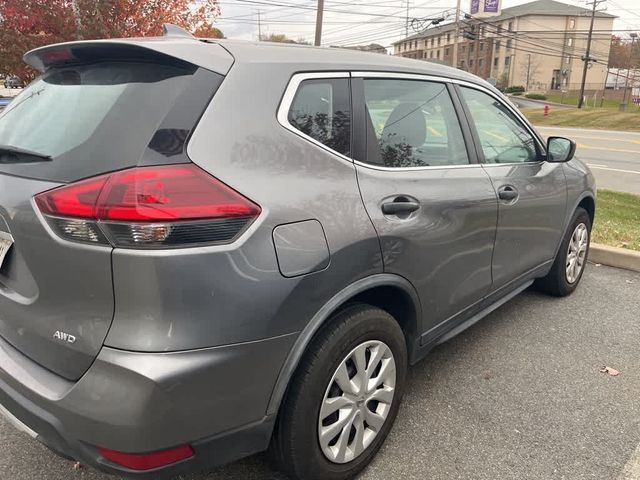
(213, 399)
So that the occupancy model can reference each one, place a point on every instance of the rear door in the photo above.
(104, 113)
(433, 207)
(532, 194)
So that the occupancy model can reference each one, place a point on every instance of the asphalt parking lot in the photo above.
(517, 396)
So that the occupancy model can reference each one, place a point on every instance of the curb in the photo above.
(614, 257)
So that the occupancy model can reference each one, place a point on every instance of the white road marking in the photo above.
(597, 165)
(631, 470)
(615, 169)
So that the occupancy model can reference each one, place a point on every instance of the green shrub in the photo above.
(514, 89)
(536, 96)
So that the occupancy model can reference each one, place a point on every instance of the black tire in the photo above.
(555, 282)
(295, 447)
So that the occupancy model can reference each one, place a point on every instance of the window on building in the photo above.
(472, 48)
(321, 110)
(507, 61)
(415, 44)
(446, 52)
(462, 64)
(471, 63)
(413, 124)
(481, 47)
(431, 54)
(497, 45)
(482, 32)
(495, 62)
(448, 38)
(463, 48)
(509, 43)
(432, 41)
(480, 63)
(499, 29)
(572, 23)
(438, 55)
(511, 26)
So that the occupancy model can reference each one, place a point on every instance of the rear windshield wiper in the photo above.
(11, 154)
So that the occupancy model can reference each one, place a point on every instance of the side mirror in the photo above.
(560, 149)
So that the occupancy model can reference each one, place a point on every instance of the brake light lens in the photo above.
(147, 461)
(169, 205)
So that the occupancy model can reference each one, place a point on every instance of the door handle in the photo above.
(400, 205)
(508, 193)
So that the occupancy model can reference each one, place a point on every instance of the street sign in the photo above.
(485, 8)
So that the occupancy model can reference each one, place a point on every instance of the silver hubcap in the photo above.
(357, 401)
(577, 252)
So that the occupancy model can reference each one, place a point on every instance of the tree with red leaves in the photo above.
(28, 24)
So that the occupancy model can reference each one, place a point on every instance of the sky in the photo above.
(357, 22)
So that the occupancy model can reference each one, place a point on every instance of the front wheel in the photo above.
(571, 258)
(344, 397)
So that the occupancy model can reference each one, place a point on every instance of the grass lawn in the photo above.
(617, 220)
(591, 118)
(589, 103)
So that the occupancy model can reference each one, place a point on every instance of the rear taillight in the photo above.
(164, 206)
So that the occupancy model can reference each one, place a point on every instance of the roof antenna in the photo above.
(171, 30)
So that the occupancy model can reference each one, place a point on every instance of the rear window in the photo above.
(101, 117)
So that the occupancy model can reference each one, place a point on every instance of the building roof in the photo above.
(539, 7)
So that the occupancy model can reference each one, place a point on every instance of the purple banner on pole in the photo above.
(475, 6)
(491, 6)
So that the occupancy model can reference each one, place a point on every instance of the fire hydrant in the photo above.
(546, 110)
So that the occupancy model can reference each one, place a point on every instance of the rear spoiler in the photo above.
(176, 45)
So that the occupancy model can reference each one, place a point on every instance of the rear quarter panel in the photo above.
(192, 298)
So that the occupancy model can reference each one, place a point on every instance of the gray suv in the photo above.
(214, 248)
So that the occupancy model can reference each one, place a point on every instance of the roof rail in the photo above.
(171, 30)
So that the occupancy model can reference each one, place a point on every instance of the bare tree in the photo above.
(530, 70)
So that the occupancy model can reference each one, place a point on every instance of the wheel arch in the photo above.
(389, 292)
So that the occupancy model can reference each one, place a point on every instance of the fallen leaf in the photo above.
(77, 466)
(612, 372)
(487, 375)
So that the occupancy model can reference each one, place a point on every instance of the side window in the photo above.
(503, 138)
(321, 109)
(412, 123)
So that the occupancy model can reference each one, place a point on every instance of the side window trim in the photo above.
(465, 126)
(542, 154)
(289, 95)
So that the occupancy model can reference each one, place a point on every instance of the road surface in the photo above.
(517, 396)
(614, 157)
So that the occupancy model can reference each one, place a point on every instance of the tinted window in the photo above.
(503, 138)
(321, 109)
(102, 117)
(412, 124)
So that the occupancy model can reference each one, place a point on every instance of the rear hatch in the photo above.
(99, 107)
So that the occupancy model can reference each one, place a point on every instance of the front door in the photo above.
(532, 196)
(433, 206)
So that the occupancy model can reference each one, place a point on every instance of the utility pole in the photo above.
(406, 26)
(587, 57)
(623, 105)
(528, 70)
(259, 28)
(319, 14)
(455, 36)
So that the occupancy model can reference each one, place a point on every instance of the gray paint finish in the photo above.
(203, 341)
(301, 248)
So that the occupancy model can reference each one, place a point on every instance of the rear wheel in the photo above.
(344, 397)
(571, 258)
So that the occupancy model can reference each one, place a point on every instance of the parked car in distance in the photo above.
(232, 246)
(4, 101)
(13, 82)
